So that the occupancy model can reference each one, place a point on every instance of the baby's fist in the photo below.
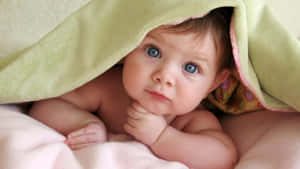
(143, 125)
(92, 133)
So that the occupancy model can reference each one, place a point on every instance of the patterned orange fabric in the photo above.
(232, 97)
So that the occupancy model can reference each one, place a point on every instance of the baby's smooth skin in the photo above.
(152, 98)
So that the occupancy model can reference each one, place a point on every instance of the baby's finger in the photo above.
(91, 128)
(132, 122)
(139, 107)
(83, 139)
(80, 146)
(78, 133)
(128, 128)
(134, 114)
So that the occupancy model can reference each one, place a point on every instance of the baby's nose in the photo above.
(164, 77)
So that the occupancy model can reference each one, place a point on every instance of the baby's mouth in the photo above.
(158, 95)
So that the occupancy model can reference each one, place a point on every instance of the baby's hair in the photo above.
(218, 21)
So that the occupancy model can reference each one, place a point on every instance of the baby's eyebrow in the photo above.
(202, 57)
(198, 55)
(151, 36)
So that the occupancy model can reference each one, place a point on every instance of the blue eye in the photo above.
(191, 68)
(153, 52)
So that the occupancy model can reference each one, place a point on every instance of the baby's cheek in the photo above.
(188, 103)
(182, 108)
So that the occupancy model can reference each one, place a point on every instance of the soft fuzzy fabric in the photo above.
(265, 141)
(99, 34)
(27, 144)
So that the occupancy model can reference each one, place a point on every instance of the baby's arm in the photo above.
(70, 115)
(61, 115)
(197, 140)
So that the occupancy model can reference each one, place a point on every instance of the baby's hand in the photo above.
(91, 134)
(143, 125)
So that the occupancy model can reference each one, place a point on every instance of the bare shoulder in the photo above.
(89, 96)
(197, 120)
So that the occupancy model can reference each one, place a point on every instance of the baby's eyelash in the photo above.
(146, 46)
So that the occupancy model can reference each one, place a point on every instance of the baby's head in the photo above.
(176, 66)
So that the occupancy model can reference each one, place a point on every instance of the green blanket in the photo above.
(97, 34)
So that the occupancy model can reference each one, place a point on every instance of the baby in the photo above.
(155, 96)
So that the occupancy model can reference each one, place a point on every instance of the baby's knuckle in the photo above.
(89, 138)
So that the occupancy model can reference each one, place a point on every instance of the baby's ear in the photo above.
(220, 78)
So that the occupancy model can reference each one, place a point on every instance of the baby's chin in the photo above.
(162, 110)
(157, 109)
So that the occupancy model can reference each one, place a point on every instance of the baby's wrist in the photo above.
(159, 136)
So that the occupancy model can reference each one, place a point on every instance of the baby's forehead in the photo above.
(194, 38)
(165, 30)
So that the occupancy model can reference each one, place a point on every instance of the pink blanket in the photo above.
(266, 140)
(28, 144)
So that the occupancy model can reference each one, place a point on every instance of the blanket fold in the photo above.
(99, 33)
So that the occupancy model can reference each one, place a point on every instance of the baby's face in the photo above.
(170, 73)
